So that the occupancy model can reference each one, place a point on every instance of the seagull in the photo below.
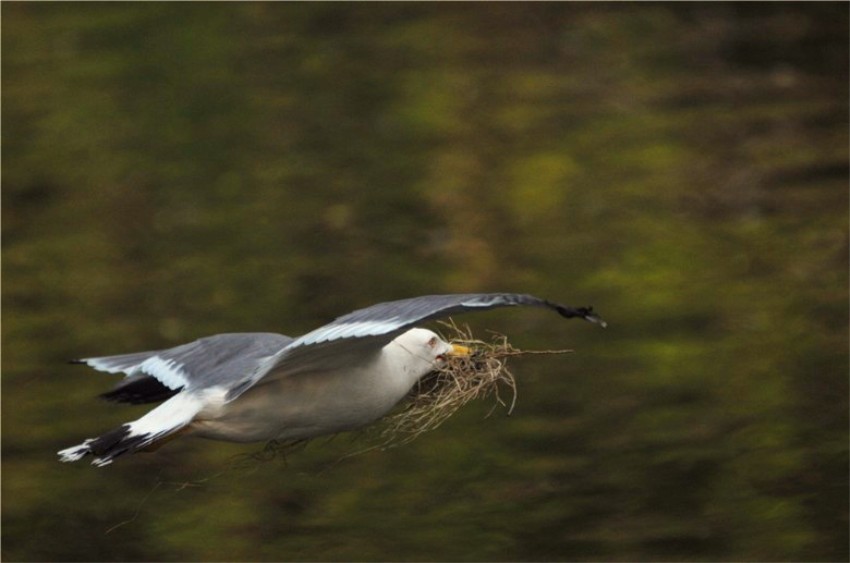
(250, 387)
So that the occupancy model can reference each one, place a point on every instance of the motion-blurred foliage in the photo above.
(172, 170)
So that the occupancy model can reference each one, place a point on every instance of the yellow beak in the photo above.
(458, 350)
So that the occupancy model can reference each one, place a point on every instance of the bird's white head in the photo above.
(419, 351)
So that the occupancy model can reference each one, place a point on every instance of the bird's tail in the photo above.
(146, 433)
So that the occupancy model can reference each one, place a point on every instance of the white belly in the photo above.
(301, 406)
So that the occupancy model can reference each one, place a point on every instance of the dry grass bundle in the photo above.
(441, 393)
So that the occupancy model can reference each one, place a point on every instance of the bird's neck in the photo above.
(400, 369)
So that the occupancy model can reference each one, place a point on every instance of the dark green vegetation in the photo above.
(176, 170)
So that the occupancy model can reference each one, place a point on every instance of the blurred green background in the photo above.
(176, 170)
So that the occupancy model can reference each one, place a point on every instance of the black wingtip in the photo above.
(76, 361)
(139, 389)
(585, 313)
(592, 317)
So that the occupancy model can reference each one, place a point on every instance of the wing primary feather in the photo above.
(585, 313)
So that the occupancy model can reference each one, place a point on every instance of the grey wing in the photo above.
(395, 315)
(220, 360)
(367, 330)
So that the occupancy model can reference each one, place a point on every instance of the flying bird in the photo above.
(248, 387)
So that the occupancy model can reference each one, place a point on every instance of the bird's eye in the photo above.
(432, 342)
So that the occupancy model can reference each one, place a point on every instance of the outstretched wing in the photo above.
(356, 335)
(223, 359)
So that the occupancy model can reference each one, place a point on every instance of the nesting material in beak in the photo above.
(473, 369)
